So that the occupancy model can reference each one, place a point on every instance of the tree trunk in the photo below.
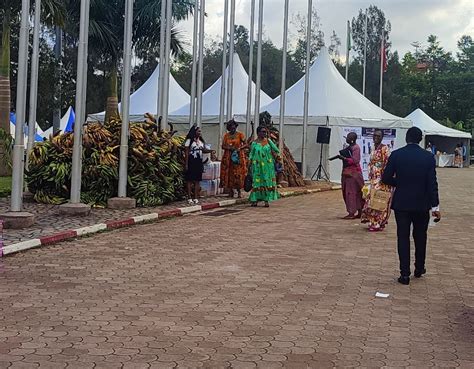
(5, 84)
(111, 110)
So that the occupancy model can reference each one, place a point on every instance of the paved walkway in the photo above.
(291, 286)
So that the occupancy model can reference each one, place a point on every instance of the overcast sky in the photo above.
(412, 20)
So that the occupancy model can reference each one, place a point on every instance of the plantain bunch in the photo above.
(155, 165)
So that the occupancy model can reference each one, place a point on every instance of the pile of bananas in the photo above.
(155, 165)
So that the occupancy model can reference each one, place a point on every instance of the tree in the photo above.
(376, 22)
(53, 12)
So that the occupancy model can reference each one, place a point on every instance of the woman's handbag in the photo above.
(235, 157)
(248, 183)
(379, 200)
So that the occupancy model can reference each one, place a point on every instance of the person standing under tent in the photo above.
(378, 160)
(464, 152)
(352, 179)
(458, 159)
(262, 168)
(195, 147)
(234, 160)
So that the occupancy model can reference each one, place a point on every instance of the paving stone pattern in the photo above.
(49, 221)
(291, 286)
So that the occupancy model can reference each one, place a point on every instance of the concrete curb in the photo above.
(122, 223)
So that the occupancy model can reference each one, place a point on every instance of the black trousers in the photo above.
(405, 220)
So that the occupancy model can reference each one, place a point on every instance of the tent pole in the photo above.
(201, 63)
(259, 64)
(192, 110)
(223, 82)
(230, 77)
(306, 88)
(250, 69)
(283, 74)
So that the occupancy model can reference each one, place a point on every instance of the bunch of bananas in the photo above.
(155, 165)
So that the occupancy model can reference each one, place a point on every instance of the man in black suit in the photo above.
(412, 171)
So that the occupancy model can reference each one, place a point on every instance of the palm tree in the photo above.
(106, 35)
(53, 13)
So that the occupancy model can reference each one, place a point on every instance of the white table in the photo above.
(445, 160)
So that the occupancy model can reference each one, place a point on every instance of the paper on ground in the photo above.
(382, 295)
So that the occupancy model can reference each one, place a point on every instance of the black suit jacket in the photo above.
(412, 171)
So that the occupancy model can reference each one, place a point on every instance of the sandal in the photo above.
(254, 204)
(267, 205)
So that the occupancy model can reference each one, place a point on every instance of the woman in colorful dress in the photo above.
(195, 146)
(262, 167)
(352, 179)
(376, 219)
(234, 161)
(458, 160)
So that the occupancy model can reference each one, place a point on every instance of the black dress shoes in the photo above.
(419, 273)
(404, 280)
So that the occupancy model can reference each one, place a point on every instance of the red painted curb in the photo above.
(210, 206)
(62, 236)
(169, 213)
(114, 224)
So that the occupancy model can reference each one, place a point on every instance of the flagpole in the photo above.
(249, 82)
(230, 76)
(382, 63)
(159, 108)
(259, 64)
(201, 63)
(192, 110)
(283, 74)
(306, 89)
(365, 52)
(166, 77)
(348, 45)
(223, 81)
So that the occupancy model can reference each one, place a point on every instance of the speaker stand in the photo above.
(320, 173)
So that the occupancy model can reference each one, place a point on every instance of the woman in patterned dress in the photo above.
(378, 160)
(262, 166)
(234, 161)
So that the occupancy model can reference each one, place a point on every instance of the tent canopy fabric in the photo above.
(65, 125)
(211, 97)
(431, 127)
(330, 95)
(144, 100)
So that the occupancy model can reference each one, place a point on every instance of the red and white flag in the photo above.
(383, 56)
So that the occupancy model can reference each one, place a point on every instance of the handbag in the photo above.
(379, 200)
(248, 183)
(235, 157)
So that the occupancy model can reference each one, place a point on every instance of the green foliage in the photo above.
(5, 186)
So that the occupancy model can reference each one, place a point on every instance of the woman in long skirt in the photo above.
(377, 219)
(352, 179)
(262, 166)
(234, 161)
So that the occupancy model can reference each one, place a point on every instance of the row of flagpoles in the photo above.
(383, 56)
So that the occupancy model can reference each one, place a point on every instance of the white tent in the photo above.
(65, 125)
(144, 100)
(430, 127)
(443, 138)
(211, 98)
(335, 103)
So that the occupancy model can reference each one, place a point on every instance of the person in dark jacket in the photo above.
(412, 171)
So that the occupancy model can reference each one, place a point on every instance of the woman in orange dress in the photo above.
(234, 160)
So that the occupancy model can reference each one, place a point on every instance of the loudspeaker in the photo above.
(324, 135)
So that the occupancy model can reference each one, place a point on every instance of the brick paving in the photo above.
(49, 221)
(291, 286)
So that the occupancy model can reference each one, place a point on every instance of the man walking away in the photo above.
(412, 171)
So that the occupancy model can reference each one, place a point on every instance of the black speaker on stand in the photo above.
(323, 137)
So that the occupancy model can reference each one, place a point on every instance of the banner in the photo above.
(366, 142)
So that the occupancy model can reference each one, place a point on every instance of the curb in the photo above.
(122, 223)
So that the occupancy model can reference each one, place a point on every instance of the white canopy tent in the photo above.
(333, 102)
(211, 98)
(144, 100)
(443, 138)
(65, 125)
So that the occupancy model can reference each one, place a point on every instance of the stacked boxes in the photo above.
(210, 179)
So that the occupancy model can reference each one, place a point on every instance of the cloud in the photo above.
(412, 20)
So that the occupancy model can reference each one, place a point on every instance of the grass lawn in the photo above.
(5, 186)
